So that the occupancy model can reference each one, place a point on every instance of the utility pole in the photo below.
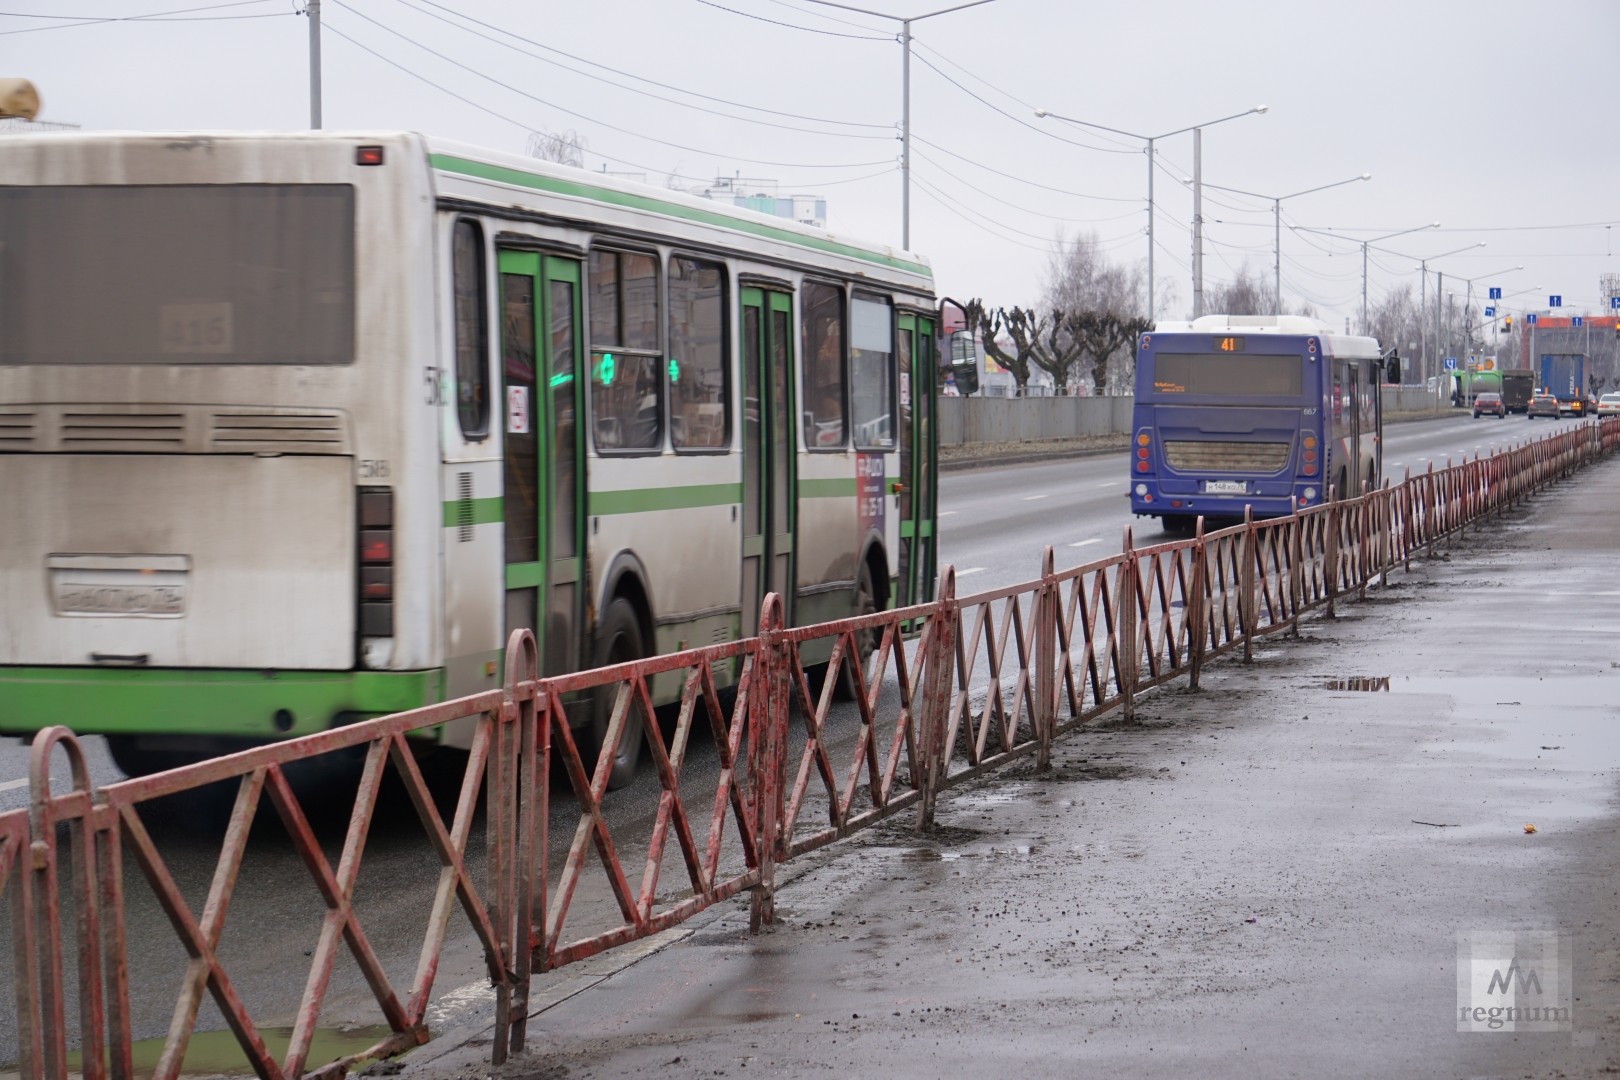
(313, 10)
(1198, 222)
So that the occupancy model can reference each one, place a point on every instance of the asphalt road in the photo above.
(995, 522)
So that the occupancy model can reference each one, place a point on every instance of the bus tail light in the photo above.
(1308, 465)
(1143, 442)
(376, 558)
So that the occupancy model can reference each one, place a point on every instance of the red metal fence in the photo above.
(952, 688)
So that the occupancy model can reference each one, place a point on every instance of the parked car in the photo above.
(1489, 402)
(1542, 405)
(1609, 405)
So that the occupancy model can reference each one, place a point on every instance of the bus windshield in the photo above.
(177, 274)
(1245, 375)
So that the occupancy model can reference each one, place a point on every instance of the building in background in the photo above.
(12, 125)
(763, 195)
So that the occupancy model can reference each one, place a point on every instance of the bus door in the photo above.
(542, 490)
(1354, 404)
(918, 450)
(768, 504)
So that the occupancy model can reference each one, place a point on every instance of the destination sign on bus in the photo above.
(1230, 344)
(1217, 375)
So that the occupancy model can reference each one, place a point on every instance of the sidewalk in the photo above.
(1264, 878)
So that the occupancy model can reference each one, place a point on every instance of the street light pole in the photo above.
(1276, 221)
(1423, 301)
(1150, 140)
(905, 96)
(313, 10)
(1365, 244)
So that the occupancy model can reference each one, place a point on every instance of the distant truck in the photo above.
(1518, 384)
(1563, 375)
(1467, 385)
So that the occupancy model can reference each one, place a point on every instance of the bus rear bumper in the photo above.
(206, 703)
(1155, 503)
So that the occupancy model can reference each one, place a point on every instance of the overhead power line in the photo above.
(792, 26)
(583, 116)
(68, 22)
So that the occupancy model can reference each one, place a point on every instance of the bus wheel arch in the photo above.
(871, 594)
(623, 631)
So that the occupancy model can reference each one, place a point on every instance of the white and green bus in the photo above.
(295, 428)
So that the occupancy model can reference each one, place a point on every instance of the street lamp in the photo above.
(905, 97)
(1198, 221)
(1276, 220)
(1423, 297)
(1468, 297)
(1365, 244)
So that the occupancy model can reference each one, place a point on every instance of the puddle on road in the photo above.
(217, 1053)
(1011, 851)
(1561, 728)
(1371, 684)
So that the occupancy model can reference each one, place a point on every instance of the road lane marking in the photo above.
(1032, 498)
(1083, 543)
(971, 570)
(1111, 483)
(9, 784)
(948, 513)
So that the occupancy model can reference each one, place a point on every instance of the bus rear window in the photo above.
(1228, 375)
(177, 274)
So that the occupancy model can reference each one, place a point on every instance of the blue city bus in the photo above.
(1251, 410)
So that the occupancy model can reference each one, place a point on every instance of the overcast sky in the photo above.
(1489, 116)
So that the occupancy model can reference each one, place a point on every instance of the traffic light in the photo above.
(1507, 324)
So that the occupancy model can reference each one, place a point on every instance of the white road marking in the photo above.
(948, 513)
(971, 570)
(1111, 483)
(10, 784)
(1032, 498)
(1083, 543)
(1396, 465)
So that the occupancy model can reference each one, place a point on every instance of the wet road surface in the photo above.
(1264, 878)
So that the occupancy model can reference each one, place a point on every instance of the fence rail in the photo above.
(951, 689)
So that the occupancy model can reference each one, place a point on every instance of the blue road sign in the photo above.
(1555, 301)
(1576, 321)
(1496, 293)
(1530, 319)
(1614, 301)
(1490, 313)
(1451, 363)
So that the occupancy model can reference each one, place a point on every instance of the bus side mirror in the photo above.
(1394, 375)
(958, 348)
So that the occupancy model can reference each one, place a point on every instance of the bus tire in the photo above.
(618, 640)
(1180, 524)
(1339, 487)
(848, 686)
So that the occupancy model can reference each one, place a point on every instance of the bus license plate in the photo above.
(1225, 487)
(129, 586)
(85, 598)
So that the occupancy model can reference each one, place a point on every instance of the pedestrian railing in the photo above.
(951, 689)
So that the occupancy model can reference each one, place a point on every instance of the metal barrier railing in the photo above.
(984, 679)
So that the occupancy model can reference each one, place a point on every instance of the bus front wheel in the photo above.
(618, 641)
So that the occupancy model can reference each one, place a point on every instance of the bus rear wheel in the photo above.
(851, 671)
(618, 641)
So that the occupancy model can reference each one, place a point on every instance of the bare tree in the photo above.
(1396, 321)
(563, 147)
(1098, 310)
(1023, 328)
(1248, 293)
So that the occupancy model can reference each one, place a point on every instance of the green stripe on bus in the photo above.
(641, 500)
(504, 175)
(480, 512)
(841, 488)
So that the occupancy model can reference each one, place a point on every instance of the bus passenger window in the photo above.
(472, 330)
(627, 401)
(823, 366)
(697, 356)
(871, 372)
